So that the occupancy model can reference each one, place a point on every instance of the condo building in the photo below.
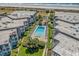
(16, 15)
(8, 39)
(66, 36)
(12, 27)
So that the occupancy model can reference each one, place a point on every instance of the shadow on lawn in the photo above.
(31, 51)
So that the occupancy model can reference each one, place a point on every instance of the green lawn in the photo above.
(50, 35)
(14, 52)
(50, 31)
(22, 52)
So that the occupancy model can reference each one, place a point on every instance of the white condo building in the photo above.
(12, 28)
(67, 34)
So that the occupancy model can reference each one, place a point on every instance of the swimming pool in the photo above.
(40, 31)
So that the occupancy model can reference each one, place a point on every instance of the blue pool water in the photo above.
(40, 31)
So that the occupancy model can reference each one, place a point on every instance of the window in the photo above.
(74, 34)
(1, 48)
(76, 30)
(6, 45)
(7, 49)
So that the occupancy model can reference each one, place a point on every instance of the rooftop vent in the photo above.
(8, 22)
(74, 34)
(5, 27)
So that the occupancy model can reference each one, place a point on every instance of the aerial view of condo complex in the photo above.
(39, 29)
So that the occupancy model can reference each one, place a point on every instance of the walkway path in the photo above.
(44, 51)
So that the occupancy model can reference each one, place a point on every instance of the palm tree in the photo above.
(39, 17)
(47, 11)
(19, 43)
(32, 45)
(51, 16)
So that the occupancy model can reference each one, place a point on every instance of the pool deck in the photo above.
(43, 38)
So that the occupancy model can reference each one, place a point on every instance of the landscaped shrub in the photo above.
(24, 43)
(19, 43)
(41, 44)
(47, 11)
(50, 26)
(32, 50)
(39, 17)
(33, 45)
(15, 50)
(51, 16)
(40, 22)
